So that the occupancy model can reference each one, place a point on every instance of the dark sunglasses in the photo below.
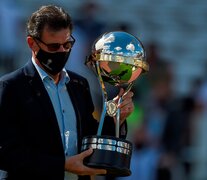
(55, 46)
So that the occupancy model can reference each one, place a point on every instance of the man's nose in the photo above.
(62, 49)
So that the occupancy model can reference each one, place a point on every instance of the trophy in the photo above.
(118, 58)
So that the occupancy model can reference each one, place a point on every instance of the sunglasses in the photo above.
(55, 46)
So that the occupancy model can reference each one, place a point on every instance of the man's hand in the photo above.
(126, 106)
(74, 164)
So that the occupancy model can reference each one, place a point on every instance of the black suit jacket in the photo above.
(30, 141)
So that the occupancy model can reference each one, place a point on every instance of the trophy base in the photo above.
(110, 153)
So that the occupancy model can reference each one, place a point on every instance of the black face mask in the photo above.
(53, 63)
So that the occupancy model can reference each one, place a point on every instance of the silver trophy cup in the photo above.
(118, 58)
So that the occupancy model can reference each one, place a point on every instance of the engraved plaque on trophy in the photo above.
(118, 58)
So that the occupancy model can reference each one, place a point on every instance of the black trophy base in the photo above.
(110, 153)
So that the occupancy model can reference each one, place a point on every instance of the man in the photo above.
(45, 110)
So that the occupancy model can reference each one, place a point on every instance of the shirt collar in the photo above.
(64, 77)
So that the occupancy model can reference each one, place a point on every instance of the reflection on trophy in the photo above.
(118, 58)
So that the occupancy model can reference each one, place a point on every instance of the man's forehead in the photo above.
(52, 33)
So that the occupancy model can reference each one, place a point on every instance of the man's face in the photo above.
(54, 44)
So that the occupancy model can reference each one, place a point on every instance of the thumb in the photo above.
(86, 153)
(121, 92)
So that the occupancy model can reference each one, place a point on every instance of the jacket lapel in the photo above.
(39, 90)
(41, 95)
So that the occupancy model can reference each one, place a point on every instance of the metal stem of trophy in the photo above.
(119, 111)
(118, 114)
(104, 97)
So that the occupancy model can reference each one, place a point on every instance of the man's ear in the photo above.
(31, 43)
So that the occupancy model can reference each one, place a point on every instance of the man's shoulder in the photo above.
(11, 76)
(11, 80)
(18, 74)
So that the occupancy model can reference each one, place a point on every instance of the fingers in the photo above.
(86, 153)
(74, 164)
(128, 109)
(93, 171)
(126, 105)
(121, 92)
(130, 94)
(87, 170)
(124, 95)
(127, 100)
